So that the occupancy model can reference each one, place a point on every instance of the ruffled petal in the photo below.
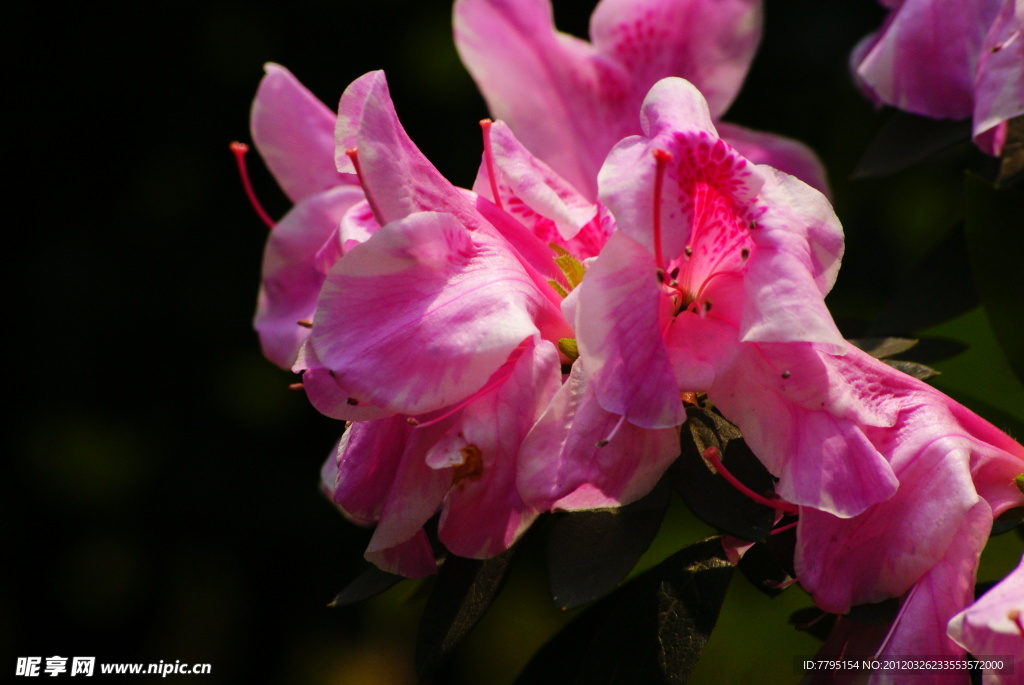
(992, 625)
(421, 314)
(785, 154)
(999, 84)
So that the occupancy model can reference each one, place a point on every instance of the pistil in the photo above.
(712, 455)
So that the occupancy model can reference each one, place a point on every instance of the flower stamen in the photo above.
(485, 124)
(239, 150)
(712, 455)
(661, 159)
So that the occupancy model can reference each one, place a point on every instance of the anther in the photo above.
(786, 374)
(305, 323)
(674, 273)
(660, 275)
(239, 150)
(295, 386)
(707, 306)
(411, 421)
(754, 226)
(744, 253)
(688, 251)
(485, 124)
(352, 401)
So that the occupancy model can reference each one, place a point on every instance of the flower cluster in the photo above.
(528, 345)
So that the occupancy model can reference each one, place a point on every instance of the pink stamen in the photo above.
(661, 159)
(353, 154)
(239, 150)
(618, 424)
(783, 529)
(485, 124)
(1018, 618)
(713, 455)
(896, 621)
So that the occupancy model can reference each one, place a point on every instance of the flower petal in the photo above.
(292, 275)
(421, 314)
(294, 133)
(785, 154)
(484, 513)
(999, 84)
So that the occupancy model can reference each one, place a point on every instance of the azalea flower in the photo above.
(993, 626)
(949, 60)
(570, 100)
(714, 282)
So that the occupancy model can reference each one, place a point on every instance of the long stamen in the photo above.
(238, 150)
(661, 159)
(712, 454)
(783, 529)
(353, 154)
(896, 621)
(608, 438)
(485, 124)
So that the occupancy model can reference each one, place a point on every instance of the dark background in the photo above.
(162, 501)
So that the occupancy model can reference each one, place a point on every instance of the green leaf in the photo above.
(708, 495)
(590, 552)
(464, 590)
(371, 582)
(906, 139)
(915, 369)
(995, 238)
(936, 290)
(651, 630)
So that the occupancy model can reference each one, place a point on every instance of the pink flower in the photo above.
(436, 335)
(949, 60)
(294, 133)
(994, 626)
(570, 101)
(956, 473)
(714, 283)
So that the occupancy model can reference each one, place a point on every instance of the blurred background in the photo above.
(162, 499)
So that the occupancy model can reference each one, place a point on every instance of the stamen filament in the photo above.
(618, 424)
(661, 159)
(239, 150)
(712, 454)
(353, 154)
(485, 124)
(783, 529)
(896, 621)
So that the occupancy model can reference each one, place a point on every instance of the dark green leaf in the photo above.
(651, 630)
(713, 499)
(1012, 158)
(371, 582)
(761, 567)
(590, 552)
(906, 139)
(463, 591)
(918, 371)
(1007, 521)
(995, 219)
(936, 290)
(880, 348)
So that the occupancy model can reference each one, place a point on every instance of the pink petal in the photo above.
(397, 178)
(992, 625)
(421, 314)
(798, 244)
(534, 184)
(294, 133)
(484, 514)
(292, 273)
(579, 456)
(779, 152)
(924, 58)
(708, 42)
(619, 318)
(999, 84)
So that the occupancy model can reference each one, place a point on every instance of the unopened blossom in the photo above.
(294, 134)
(569, 101)
(993, 626)
(949, 59)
